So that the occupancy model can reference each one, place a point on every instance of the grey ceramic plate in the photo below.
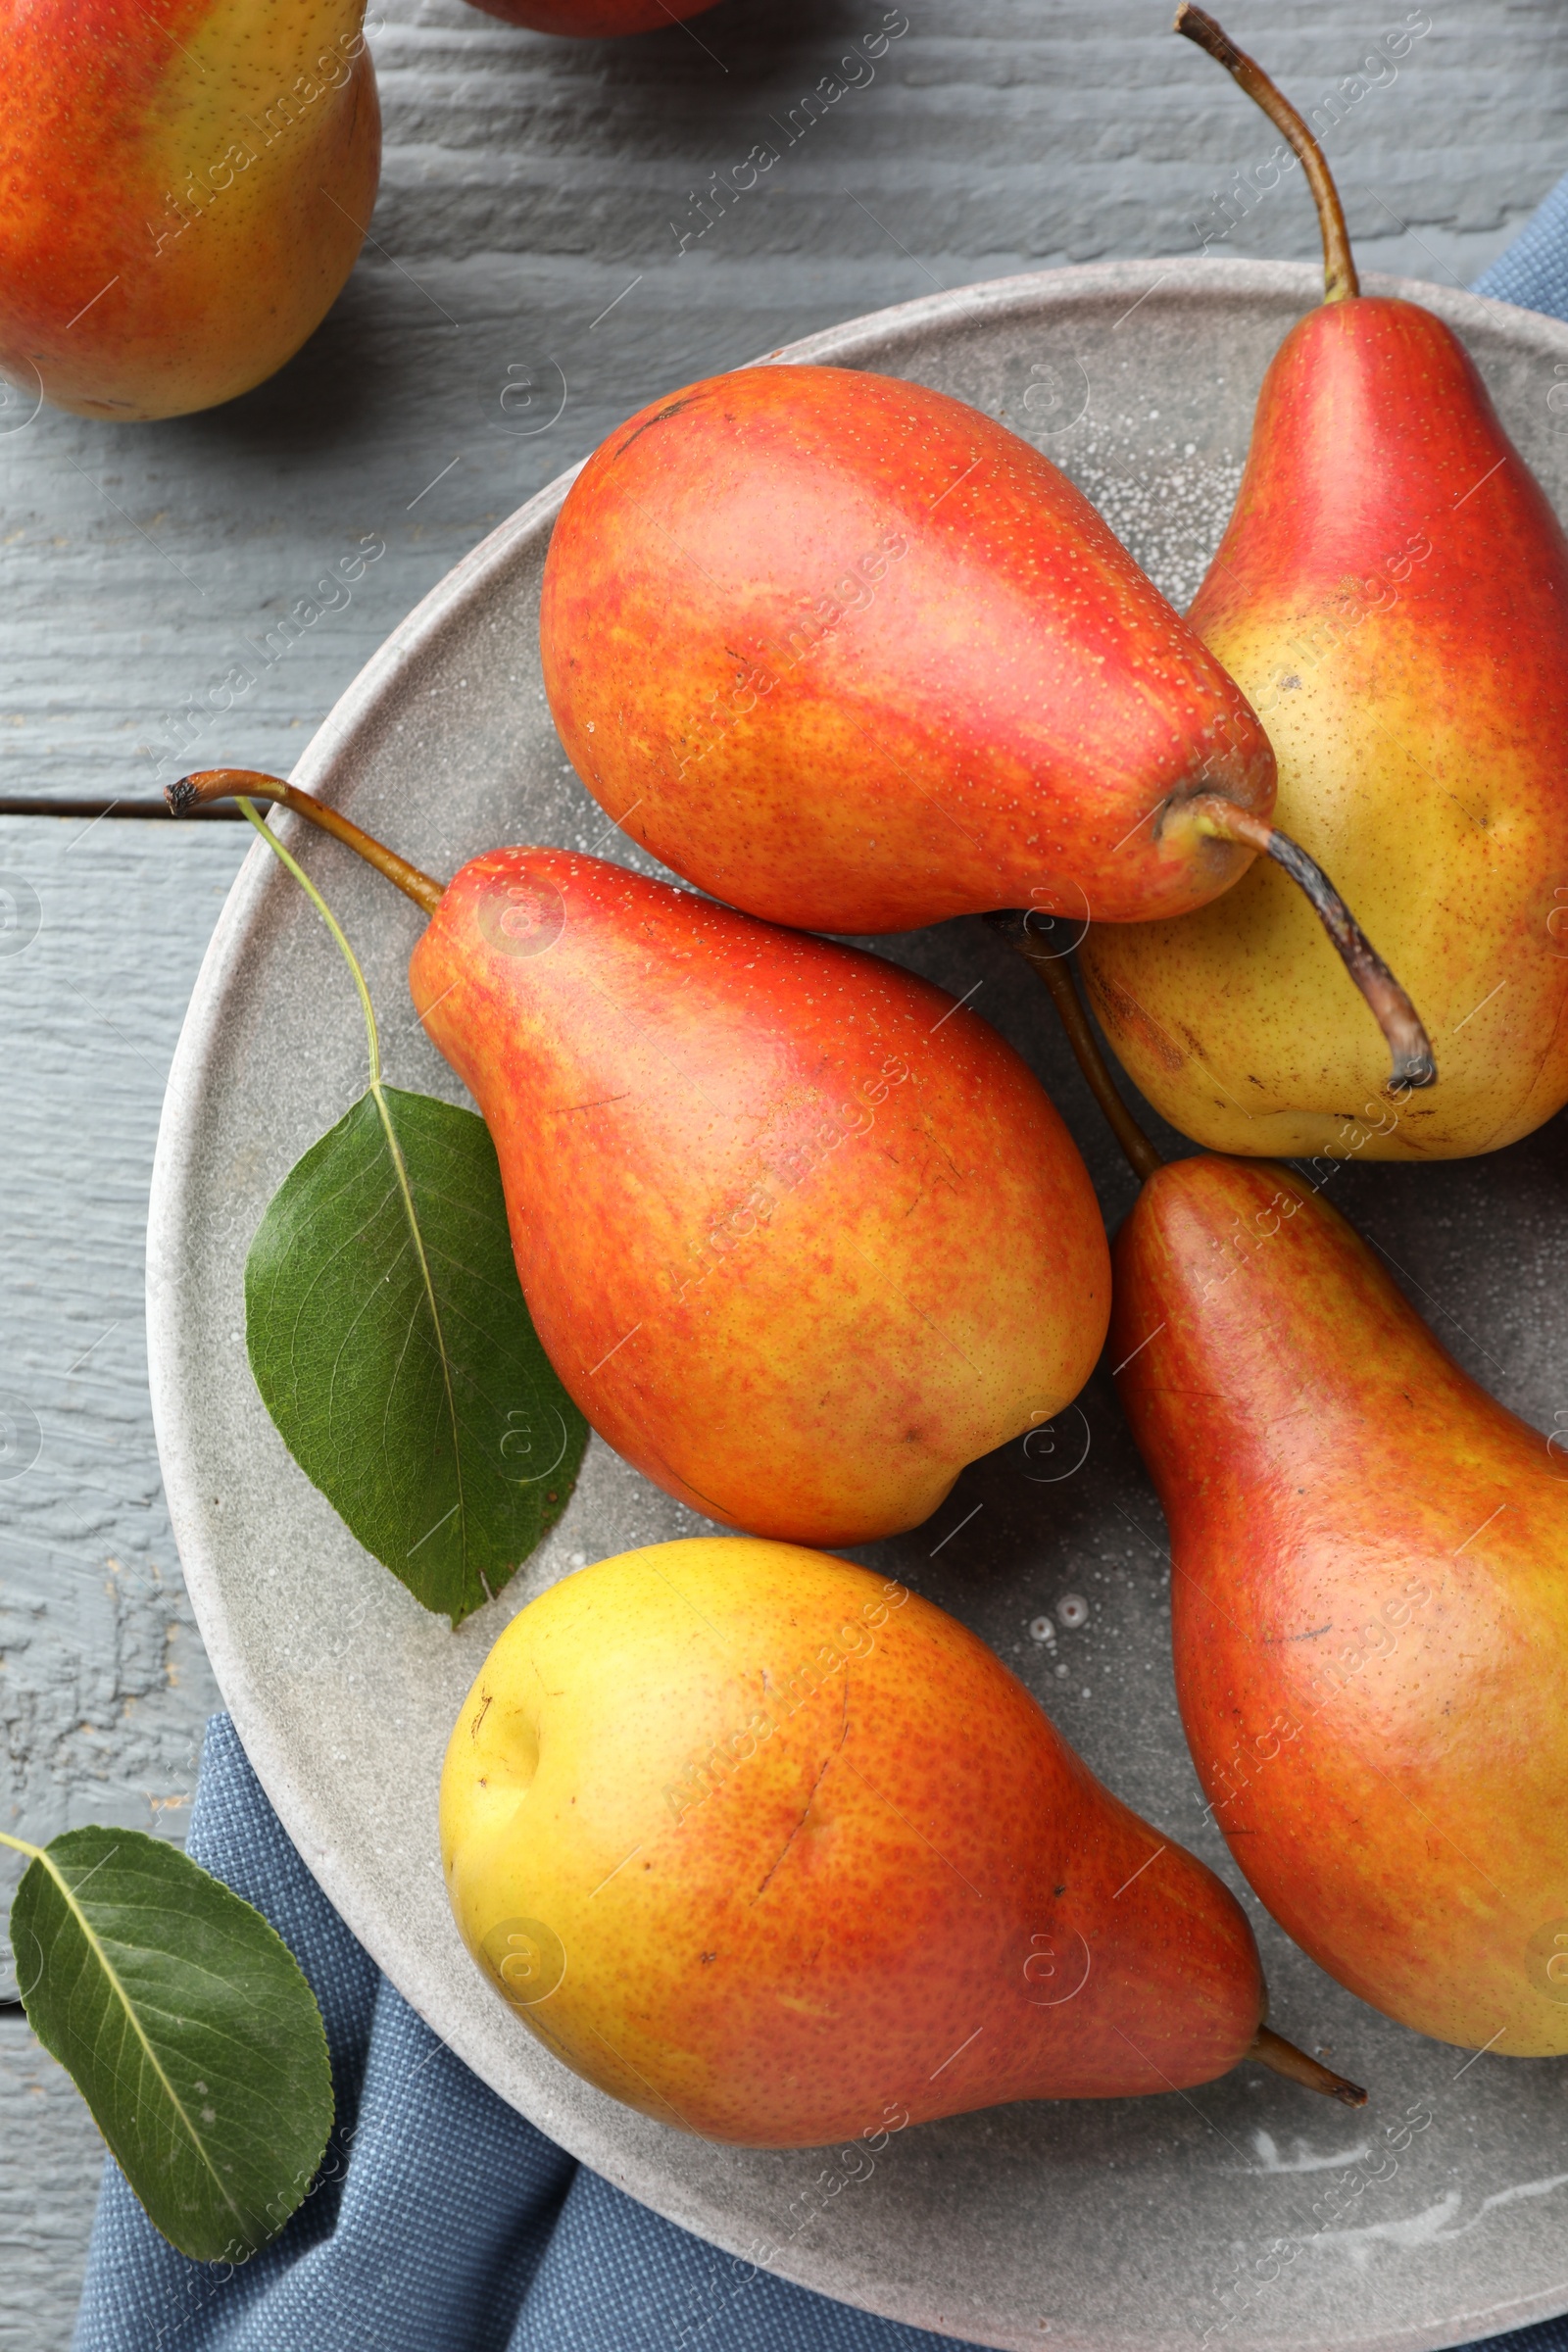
(1248, 2210)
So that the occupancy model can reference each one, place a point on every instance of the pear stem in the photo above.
(234, 783)
(1056, 971)
(1282, 2057)
(1340, 281)
(1415, 1063)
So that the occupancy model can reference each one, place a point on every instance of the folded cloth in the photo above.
(1533, 269)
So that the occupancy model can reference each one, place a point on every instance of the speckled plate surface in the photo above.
(1248, 2210)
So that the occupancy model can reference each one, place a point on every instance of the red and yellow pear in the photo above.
(1369, 1604)
(1369, 1591)
(184, 185)
(849, 655)
(1392, 594)
(771, 1850)
(801, 1235)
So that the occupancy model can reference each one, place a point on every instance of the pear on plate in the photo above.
(1392, 595)
(767, 1847)
(849, 655)
(1369, 1604)
(800, 1233)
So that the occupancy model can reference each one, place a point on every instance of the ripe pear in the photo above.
(771, 1850)
(183, 194)
(1369, 1604)
(851, 656)
(801, 1235)
(1391, 593)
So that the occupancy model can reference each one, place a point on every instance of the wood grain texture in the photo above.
(48, 2189)
(554, 245)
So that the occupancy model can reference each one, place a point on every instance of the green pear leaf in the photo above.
(390, 1341)
(184, 2021)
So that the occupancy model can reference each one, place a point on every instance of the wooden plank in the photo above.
(48, 2189)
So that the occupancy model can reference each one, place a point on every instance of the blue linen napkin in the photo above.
(1533, 271)
(456, 2227)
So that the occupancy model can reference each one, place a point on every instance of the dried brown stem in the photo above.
(1054, 970)
(1340, 281)
(244, 783)
(1272, 2051)
(1415, 1063)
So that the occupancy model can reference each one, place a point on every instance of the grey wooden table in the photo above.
(554, 245)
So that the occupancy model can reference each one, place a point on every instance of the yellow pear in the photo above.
(771, 1848)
